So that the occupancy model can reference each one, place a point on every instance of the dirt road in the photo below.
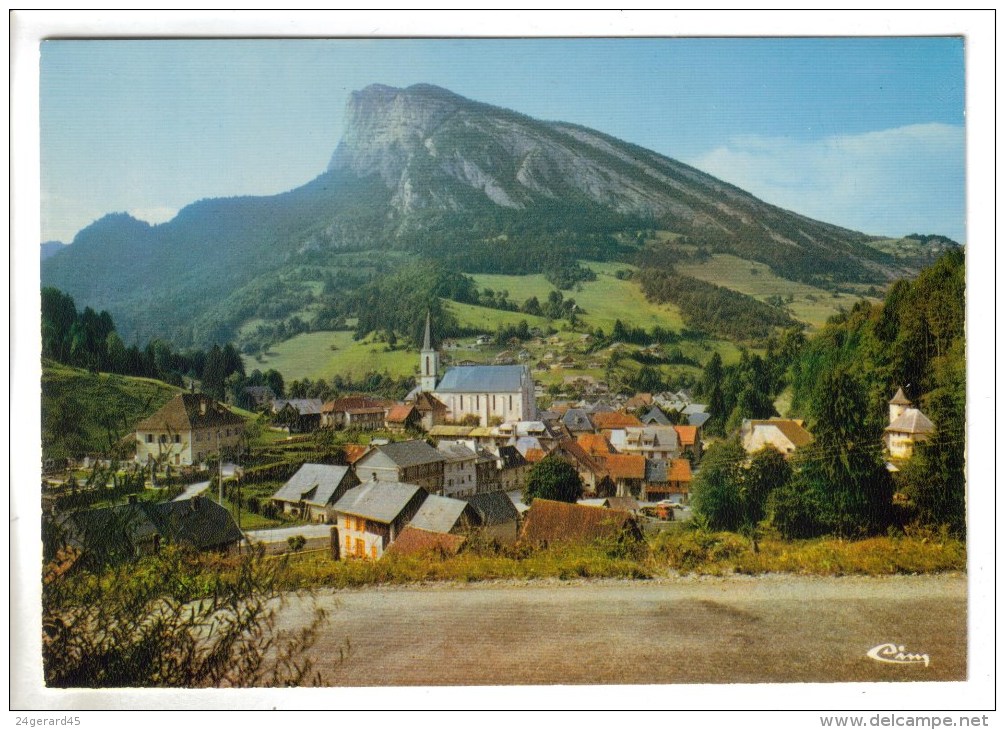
(686, 630)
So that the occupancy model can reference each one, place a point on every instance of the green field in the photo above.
(811, 305)
(311, 355)
(84, 412)
(604, 300)
(487, 319)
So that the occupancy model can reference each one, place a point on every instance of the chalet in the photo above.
(784, 434)
(548, 522)
(299, 415)
(356, 411)
(908, 426)
(447, 515)
(312, 492)
(372, 515)
(402, 418)
(652, 442)
(499, 517)
(113, 535)
(667, 479)
(411, 462)
(189, 429)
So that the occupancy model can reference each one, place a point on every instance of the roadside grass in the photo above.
(665, 554)
(318, 569)
(721, 553)
(811, 304)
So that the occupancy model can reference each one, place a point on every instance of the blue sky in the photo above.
(867, 133)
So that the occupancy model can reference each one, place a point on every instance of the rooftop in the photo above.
(379, 501)
(483, 379)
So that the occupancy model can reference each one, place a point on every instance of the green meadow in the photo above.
(326, 354)
(605, 300)
(811, 304)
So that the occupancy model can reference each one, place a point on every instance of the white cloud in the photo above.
(890, 182)
(154, 215)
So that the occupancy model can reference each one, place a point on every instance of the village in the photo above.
(449, 463)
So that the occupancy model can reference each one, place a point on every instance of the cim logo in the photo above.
(894, 654)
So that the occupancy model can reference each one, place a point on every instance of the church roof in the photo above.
(900, 399)
(482, 379)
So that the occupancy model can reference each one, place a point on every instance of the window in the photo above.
(477, 402)
(150, 438)
(348, 545)
(462, 403)
(347, 525)
(177, 438)
(360, 548)
(373, 552)
(360, 524)
(511, 403)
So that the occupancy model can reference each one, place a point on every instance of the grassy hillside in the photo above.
(84, 412)
(810, 304)
(325, 354)
(605, 300)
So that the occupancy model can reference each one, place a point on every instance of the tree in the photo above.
(935, 478)
(768, 470)
(716, 488)
(552, 478)
(843, 465)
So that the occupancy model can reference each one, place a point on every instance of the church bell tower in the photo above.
(429, 362)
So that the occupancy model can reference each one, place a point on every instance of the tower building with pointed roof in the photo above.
(429, 361)
(908, 426)
(490, 393)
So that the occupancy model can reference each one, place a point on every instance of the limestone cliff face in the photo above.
(432, 148)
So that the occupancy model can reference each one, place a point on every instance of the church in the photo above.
(492, 393)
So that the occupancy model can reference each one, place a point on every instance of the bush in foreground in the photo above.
(173, 620)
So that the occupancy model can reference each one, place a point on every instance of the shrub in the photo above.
(173, 620)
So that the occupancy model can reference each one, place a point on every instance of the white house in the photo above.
(189, 429)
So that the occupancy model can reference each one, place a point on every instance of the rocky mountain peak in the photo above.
(385, 126)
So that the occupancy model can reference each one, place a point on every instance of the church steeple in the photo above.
(427, 341)
(429, 361)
